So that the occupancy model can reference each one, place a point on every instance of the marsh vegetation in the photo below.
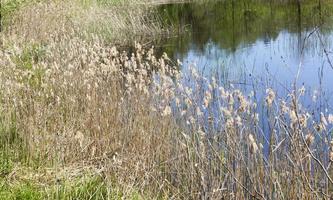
(149, 100)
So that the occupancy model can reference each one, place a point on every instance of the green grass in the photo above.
(9, 7)
(28, 61)
(89, 187)
(21, 191)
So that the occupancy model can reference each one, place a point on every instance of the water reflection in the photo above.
(246, 41)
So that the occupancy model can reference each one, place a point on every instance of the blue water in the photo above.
(260, 51)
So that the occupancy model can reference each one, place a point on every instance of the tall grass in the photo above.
(80, 119)
(89, 105)
(117, 22)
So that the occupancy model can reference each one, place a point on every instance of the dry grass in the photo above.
(73, 106)
(116, 22)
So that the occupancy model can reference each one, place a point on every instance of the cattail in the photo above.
(226, 112)
(330, 118)
(188, 102)
(179, 63)
(80, 138)
(243, 104)
(223, 93)
(238, 120)
(253, 145)
(319, 127)
(293, 116)
(284, 108)
(251, 138)
(270, 97)
(229, 123)
(166, 111)
(207, 99)
(214, 82)
(309, 138)
(303, 120)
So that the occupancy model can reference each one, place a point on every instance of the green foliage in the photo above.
(12, 146)
(93, 188)
(9, 7)
(20, 191)
(31, 54)
(90, 188)
(233, 23)
(28, 60)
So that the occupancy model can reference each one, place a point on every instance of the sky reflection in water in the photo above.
(254, 43)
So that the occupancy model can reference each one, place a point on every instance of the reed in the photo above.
(115, 22)
(81, 119)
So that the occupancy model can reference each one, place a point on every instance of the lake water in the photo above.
(248, 42)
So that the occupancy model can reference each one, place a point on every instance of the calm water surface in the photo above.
(247, 42)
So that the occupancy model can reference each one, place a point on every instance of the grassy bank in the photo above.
(84, 109)
(116, 22)
(80, 119)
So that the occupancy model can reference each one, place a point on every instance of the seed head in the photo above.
(309, 138)
(270, 97)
